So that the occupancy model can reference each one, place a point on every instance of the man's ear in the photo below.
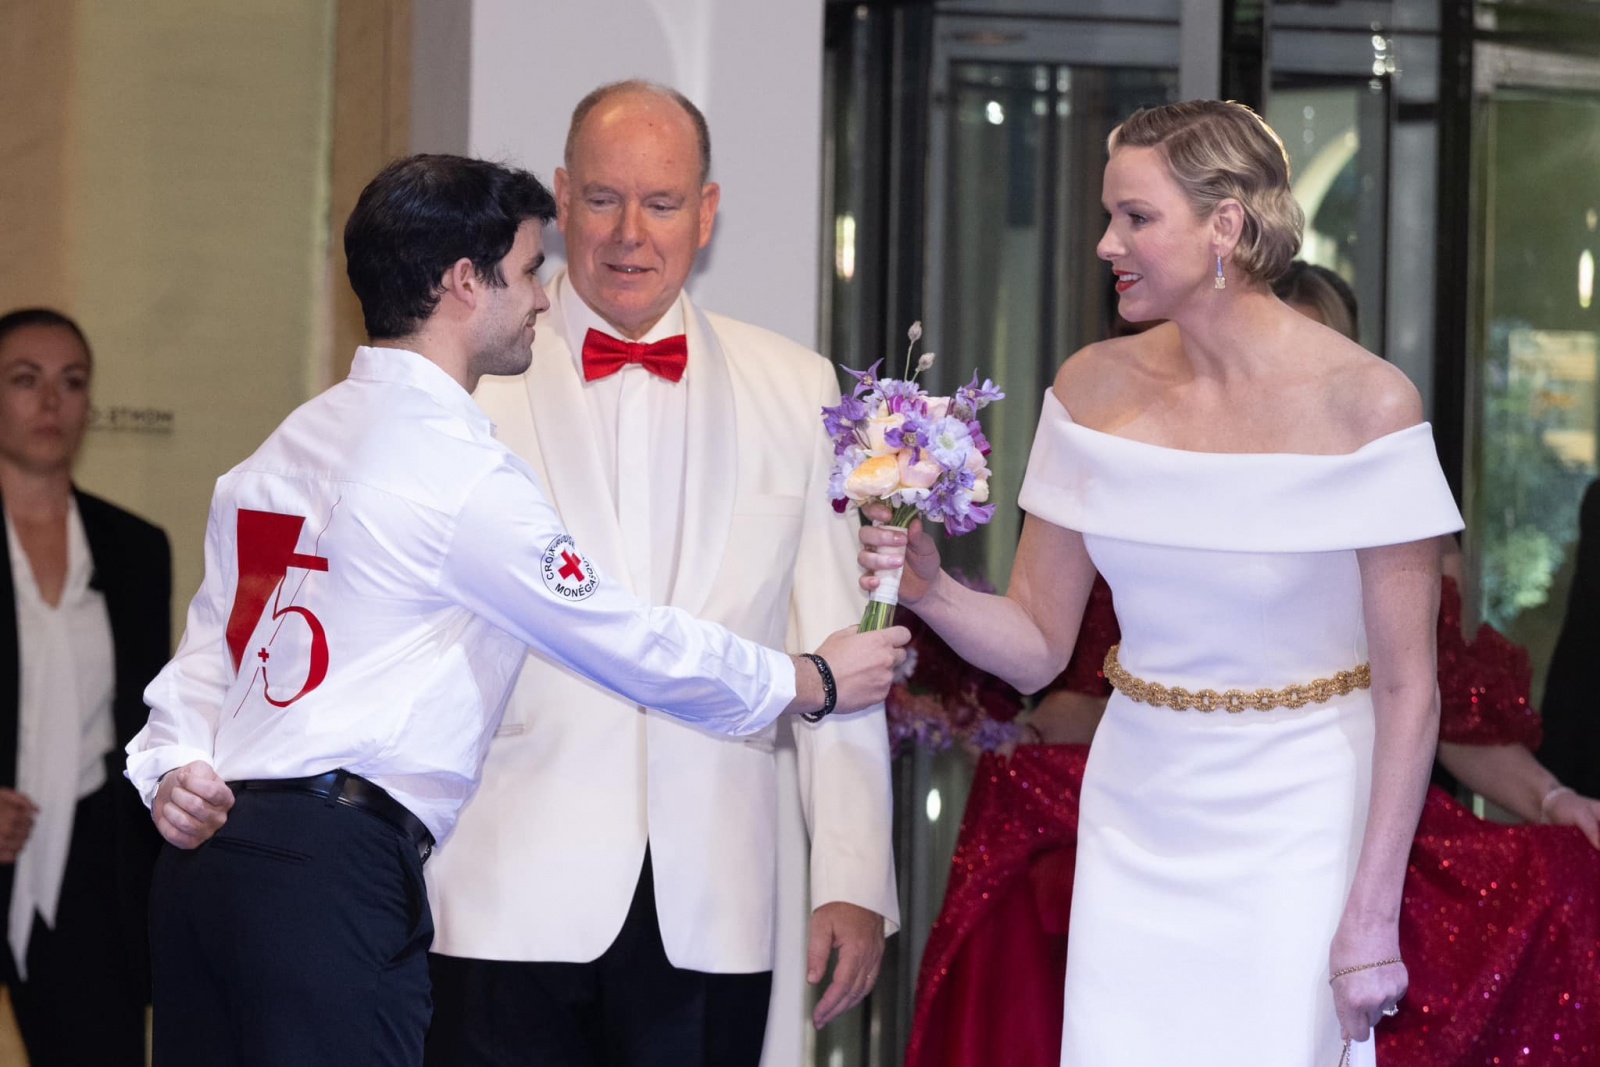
(460, 283)
(710, 197)
(562, 184)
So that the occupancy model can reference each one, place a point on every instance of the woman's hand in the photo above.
(1569, 808)
(16, 823)
(1362, 997)
(886, 548)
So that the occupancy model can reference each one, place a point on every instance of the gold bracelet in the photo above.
(1362, 967)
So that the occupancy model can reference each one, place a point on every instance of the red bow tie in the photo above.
(604, 355)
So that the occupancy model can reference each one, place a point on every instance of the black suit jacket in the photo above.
(1571, 705)
(133, 571)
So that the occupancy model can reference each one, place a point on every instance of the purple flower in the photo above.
(866, 379)
(894, 389)
(840, 422)
(950, 502)
(972, 397)
(969, 519)
(902, 403)
(912, 434)
(845, 461)
(950, 441)
(936, 505)
(991, 734)
(849, 408)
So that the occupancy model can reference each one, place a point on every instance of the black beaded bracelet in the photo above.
(830, 691)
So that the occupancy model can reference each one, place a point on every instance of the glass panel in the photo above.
(995, 235)
(1538, 346)
(1022, 286)
(1354, 90)
(1337, 135)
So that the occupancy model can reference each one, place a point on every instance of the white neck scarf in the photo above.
(67, 677)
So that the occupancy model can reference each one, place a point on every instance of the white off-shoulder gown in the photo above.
(1215, 850)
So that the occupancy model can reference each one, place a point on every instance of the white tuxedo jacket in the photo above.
(546, 856)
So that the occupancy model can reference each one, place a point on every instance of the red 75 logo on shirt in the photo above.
(267, 542)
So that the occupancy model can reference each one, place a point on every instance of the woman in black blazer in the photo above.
(80, 997)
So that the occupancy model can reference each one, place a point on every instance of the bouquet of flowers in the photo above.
(924, 456)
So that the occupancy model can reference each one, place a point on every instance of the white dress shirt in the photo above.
(375, 574)
(67, 679)
(640, 422)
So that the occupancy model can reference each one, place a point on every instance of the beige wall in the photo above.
(175, 173)
(35, 95)
(167, 183)
(371, 126)
(196, 204)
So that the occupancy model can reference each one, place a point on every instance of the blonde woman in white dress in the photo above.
(1263, 497)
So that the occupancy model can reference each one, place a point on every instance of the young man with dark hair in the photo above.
(375, 573)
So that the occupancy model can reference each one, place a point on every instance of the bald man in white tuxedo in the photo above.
(610, 895)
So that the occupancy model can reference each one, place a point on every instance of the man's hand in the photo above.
(863, 666)
(858, 935)
(16, 823)
(191, 804)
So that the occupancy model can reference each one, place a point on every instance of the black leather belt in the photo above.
(354, 791)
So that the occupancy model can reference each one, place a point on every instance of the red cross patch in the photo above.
(567, 572)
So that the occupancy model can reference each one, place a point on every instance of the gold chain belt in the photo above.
(1235, 700)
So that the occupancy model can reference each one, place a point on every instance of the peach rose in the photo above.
(875, 478)
(921, 474)
(879, 425)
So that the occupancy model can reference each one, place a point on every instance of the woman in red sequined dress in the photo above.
(1502, 923)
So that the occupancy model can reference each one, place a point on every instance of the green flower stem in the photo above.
(879, 615)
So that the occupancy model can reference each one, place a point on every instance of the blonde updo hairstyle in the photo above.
(1219, 151)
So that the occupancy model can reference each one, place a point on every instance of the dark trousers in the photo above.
(629, 1008)
(296, 937)
(79, 1004)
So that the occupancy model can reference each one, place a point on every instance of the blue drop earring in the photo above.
(1221, 282)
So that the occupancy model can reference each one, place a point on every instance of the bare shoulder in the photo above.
(1366, 396)
(1103, 376)
(1377, 398)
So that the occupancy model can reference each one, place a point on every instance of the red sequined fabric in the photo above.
(1483, 683)
(1500, 927)
(991, 986)
(1085, 672)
